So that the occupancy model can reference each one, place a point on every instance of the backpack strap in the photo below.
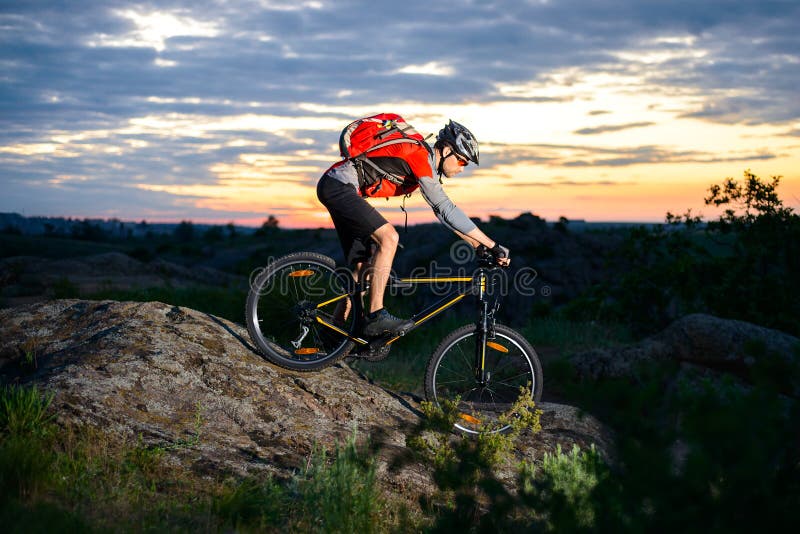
(390, 142)
(364, 158)
(362, 179)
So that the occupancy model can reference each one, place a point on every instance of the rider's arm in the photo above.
(476, 237)
(450, 214)
(446, 211)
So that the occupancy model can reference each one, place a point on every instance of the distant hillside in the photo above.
(110, 228)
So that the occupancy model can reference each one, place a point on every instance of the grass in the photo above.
(70, 478)
(404, 369)
(222, 302)
(554, 338)
(23, 411)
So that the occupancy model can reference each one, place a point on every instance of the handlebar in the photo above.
(491, 257)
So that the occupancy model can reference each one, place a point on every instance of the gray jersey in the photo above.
(432, 191)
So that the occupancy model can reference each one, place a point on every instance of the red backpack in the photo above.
(372, 145)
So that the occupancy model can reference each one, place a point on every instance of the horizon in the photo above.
(603, 111)
(484, 220)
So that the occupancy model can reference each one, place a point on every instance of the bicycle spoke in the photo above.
(442, 382)
(468, 363)
(456, 372)
(523, 373)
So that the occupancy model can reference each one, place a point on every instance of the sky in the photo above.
(217, 111)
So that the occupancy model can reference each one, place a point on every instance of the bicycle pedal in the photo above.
(376, 355)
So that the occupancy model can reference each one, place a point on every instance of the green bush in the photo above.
(559, 492)
(708, 455)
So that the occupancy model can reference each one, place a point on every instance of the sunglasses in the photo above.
(461, 162)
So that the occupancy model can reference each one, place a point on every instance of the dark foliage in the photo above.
(743, 265)
(707, 455)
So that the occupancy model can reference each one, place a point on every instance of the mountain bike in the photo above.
(295, 317)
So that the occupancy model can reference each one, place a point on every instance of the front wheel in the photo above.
(510, 365)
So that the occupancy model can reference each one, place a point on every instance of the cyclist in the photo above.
(361, 229)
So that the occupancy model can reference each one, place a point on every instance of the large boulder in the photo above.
(178, 377)
(703, 342)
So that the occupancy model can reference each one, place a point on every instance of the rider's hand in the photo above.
(501, 254)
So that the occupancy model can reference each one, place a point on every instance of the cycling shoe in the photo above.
(386, 323)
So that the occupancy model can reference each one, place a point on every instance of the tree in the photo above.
(268, 226)
(231, 228)
(742, 265)
(184, 231)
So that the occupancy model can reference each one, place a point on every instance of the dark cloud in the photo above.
(590, 156)
(284, 56)
(611, 128)
(568, 183)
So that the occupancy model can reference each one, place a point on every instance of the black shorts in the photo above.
(354, 218)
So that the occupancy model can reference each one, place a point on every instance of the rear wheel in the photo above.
(292, 311)
(511, 366)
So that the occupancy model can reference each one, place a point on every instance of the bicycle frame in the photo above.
(480, 284)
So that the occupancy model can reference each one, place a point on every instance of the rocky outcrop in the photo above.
(175, 376)
(705, 342)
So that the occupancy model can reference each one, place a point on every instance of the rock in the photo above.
(697, 341)
(708, 340)
(175, 376)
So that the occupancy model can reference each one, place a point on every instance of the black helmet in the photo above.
(460, 140)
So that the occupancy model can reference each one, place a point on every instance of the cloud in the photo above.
(275, 55)
(89, 71)
(612, 128)
(568, 183)
(553, 155)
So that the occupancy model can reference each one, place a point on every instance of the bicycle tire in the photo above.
(511, 364)
(284, 298)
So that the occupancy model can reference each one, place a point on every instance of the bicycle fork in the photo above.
(482, 334)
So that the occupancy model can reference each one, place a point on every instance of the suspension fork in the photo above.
(482, 329)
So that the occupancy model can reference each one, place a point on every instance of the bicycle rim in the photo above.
(509, 368)
(292, 314)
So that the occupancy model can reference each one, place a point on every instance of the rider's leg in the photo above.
(387, 239)
(378, 320)
(343, 308)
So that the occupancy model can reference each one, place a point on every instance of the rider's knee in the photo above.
(388, 239)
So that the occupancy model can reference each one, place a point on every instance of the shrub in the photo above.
(341, 495)
(559, 493)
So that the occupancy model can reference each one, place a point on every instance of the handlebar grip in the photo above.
(492, 255)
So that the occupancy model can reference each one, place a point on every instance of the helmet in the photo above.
(460, 140)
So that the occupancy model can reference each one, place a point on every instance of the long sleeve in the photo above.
(446, 211)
